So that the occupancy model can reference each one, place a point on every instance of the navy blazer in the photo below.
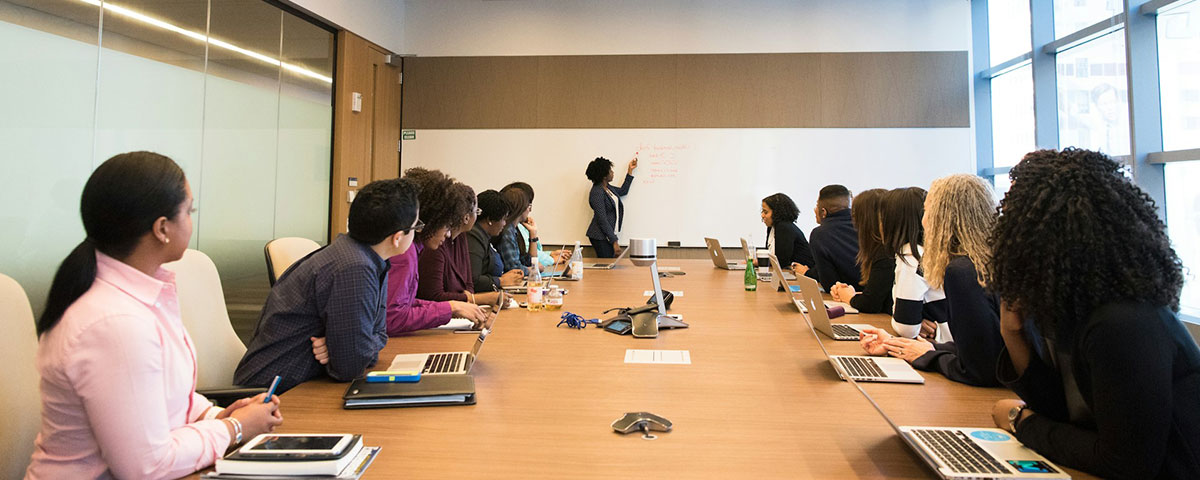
(603, 210)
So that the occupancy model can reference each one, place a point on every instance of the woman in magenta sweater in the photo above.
(441, 211)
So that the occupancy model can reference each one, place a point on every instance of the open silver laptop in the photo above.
(809, 296)
(955, 453)
(718, 256)
(767, 275)
(442, 363)
(560, 270)
(608, 265)
(863, 368)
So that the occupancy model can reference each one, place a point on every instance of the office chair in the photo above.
(218, 348)
(281, 253)
(20, 403)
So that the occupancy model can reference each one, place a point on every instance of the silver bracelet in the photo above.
(237, 429)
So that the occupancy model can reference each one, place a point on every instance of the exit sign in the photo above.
(408, 134)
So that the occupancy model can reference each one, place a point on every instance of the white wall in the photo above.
(590, 27)
(690, 183)
(379, 21)
(755, 162)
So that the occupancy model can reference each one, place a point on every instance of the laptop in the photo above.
(962, 452)
(718, 257)
(608, 265)
(763, 276)
(441, 363)
(560, 270)
(862, 368)
(809, 290)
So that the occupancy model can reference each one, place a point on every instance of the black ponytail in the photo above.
(74, 277)
(120, 203)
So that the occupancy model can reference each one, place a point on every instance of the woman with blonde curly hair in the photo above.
(960, 213)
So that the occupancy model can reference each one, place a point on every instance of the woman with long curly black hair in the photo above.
(784, 238)
(1090, 285)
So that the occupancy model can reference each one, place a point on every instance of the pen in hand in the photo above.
(271, 391)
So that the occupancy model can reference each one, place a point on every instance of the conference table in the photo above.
(758, 400)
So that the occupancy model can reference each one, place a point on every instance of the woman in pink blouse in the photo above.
(118, 370)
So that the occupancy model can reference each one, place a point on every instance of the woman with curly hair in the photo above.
(445, 272)
(1090, 286)
(442, 210)
(959, 214)
(608, 213)
(876, 266)
(784, 238)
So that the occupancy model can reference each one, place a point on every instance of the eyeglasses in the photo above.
(416, 228)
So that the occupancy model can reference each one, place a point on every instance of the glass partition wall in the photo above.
(238, 93)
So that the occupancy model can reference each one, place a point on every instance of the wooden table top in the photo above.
(758, 400)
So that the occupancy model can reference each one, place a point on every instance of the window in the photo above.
(1012, 116)
(1073, 15)
(1008, 29)
(1179, 67)
(1093, 98)
(1183, 224)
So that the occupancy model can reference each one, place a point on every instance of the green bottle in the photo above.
(751, 278)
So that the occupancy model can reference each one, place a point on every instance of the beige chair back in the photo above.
(202, 305)
(281, 253)
(20, 401)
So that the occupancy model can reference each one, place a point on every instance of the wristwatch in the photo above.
(1014, 414)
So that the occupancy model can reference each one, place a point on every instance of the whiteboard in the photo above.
(690, 183)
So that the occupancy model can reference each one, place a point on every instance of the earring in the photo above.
(166, 240)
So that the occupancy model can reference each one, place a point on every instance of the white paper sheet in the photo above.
(677, 293)
(670, 357)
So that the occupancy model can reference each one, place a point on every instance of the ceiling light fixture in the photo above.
(125, 12)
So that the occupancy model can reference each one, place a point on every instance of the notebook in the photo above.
(433, 390)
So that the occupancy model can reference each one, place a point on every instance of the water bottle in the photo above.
(533, 291)
(751, 279)
(576, 264)
(554, 300)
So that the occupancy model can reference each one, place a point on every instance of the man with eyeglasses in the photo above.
(325, 314)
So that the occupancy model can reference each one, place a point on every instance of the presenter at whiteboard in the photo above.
(608, 213)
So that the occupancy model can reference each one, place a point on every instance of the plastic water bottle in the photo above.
(576, 264)
(554, 300)
(533, 291)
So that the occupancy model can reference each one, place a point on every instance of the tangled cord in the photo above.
(575, 321)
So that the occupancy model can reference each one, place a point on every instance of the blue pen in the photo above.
(271, 391)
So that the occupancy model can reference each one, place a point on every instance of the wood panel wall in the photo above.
(364, 142)
(770, 90)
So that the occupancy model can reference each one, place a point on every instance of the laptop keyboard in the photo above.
(859, 367)
(442, 362)
(959, 453)
(840, 330)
